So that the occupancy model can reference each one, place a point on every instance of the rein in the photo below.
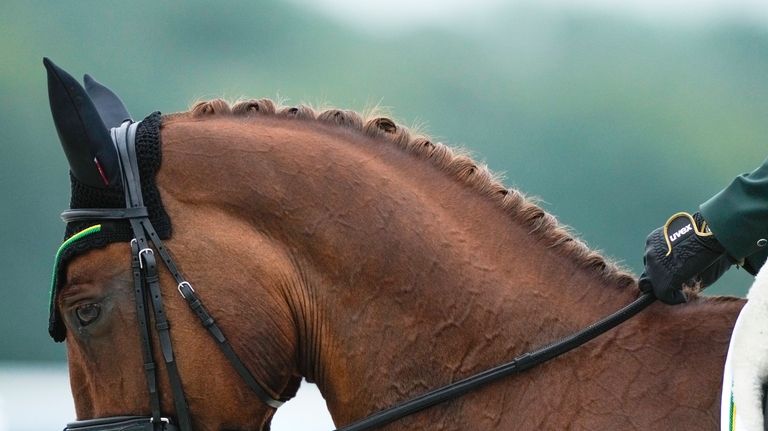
(521, 363)
(148, 297)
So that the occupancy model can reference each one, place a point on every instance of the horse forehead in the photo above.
(100, 263)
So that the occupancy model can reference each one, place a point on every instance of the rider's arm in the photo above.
(738, 216)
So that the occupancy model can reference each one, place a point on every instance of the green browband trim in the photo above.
(82, 234)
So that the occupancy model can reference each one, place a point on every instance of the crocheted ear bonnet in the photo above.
(87, 144)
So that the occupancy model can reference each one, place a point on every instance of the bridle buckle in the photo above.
(184, 283)
(144, 250)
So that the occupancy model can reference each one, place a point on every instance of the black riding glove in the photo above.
(683, 251)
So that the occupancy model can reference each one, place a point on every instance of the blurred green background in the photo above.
(615, 121)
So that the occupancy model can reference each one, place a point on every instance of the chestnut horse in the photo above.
(380, 265)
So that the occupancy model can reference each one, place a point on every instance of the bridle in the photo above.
(146, 286)
(147, 291)
(146, 243)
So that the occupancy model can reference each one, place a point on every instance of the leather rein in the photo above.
(148, 297)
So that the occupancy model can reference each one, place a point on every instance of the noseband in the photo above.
(146, 286)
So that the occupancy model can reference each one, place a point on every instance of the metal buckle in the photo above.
(183, 283)
(144, 250)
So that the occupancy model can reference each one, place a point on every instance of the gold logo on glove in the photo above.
(681, 224)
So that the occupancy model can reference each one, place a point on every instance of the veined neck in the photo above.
(406, 271)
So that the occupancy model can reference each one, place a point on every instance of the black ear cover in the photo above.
(109, 106)
(84, 137)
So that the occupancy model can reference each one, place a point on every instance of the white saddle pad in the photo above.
(746, 367)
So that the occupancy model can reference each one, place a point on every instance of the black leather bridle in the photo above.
(146, 287)
(148, 296)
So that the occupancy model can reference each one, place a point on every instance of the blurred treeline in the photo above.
(613, 122)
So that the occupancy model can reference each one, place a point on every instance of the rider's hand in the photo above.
(683, 251)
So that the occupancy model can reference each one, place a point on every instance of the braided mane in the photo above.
(454, 163)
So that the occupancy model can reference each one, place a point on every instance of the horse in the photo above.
(378, 264)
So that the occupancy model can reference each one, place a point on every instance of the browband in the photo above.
(81, 214)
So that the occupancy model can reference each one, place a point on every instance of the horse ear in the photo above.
(109, 106)
(86, 141)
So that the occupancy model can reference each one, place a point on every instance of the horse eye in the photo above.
(88, 313)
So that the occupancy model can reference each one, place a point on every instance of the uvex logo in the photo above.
(680, 232)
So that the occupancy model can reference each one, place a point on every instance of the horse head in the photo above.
(126, 366)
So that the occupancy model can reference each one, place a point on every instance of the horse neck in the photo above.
(410, 279)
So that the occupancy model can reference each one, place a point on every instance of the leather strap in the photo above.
(151, 280)
(124, 139)
(142, 315)
(103, 214)
(194, 302)
(188, 293)
(121, 423)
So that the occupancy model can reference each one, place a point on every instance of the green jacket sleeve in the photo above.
(738, 217)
